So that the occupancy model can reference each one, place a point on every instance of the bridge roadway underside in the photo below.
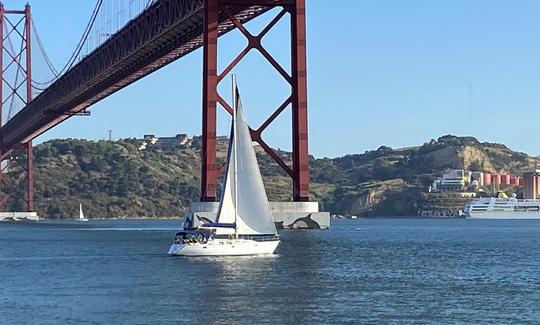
(166, 31)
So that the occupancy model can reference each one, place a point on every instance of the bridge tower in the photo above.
(213, 10)
(15, 53)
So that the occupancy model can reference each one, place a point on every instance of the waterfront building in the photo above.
(487, 179)
(513, 181)
(454, 180)
(531, 184)
(495, 179)
(222, 141)
(165, 142)
(460, 180)
(436, 185)
(479, 177)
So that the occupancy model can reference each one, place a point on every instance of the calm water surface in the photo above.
(360, 271)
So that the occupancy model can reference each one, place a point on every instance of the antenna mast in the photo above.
(470, 109)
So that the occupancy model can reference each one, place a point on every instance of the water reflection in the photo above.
(281, 288)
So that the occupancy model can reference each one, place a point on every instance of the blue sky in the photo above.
(381, 72)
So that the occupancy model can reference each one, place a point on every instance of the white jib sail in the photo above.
(252, 215)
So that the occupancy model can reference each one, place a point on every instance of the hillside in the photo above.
(390, 182)
(116, 179)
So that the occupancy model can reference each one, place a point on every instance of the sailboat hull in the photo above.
(225, 247)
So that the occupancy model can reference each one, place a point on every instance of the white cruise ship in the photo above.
(502, 208)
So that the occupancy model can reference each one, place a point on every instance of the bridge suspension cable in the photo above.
(75, 53)
(106, 19)
(50, 65)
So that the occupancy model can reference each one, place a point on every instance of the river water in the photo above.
(361, 271)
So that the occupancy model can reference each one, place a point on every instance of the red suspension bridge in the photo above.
(148, 35)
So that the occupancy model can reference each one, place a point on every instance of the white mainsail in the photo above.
(243, 201)
(81, 214)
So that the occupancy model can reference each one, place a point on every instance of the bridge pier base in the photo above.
(287, 215)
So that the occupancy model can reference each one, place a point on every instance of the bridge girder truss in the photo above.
(163, 33)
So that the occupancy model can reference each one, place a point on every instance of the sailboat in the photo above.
(244, 223)
(81, 214)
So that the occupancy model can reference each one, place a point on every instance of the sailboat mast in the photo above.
(235, 154)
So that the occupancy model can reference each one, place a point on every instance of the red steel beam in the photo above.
(210, 98)
(298, 99)
(17, 12)
(25, 36)
(299, 102)
(29, 149)
(3, 198)
(2, 12)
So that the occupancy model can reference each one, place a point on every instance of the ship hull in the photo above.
(503, 216)
(502, 209)
(225, 247)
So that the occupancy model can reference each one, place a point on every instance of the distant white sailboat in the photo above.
(81, 214)
(244, 223)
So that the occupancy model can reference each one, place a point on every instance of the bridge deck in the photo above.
(163, 33)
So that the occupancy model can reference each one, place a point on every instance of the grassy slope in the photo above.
(115, 179)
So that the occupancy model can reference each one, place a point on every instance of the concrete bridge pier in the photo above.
(287, 215)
